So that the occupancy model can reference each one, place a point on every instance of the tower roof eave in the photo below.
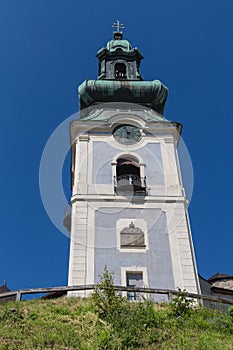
(133, 54)
(152, 94)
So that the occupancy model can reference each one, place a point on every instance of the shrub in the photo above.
(130, 322)
(230, 312)
(107, 301)
(181, 304)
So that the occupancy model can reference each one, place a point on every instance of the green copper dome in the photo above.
(120, 80)
(152, 94)
(123, 45)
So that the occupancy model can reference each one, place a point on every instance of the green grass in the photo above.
(73, 323)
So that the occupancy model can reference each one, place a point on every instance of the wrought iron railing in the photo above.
(130, 180)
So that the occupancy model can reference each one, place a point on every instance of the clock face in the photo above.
(127, 134)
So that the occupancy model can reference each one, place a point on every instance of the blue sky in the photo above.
(47, 49)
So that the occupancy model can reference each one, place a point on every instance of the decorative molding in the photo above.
(128, 269)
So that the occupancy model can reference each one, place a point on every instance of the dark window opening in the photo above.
(127, 166)
(120, 71)
(128, 177)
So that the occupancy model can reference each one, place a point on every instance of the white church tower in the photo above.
(129, 210)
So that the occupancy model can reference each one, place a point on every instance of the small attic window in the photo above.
(120, 71)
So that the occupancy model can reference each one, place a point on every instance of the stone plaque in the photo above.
(132, 237)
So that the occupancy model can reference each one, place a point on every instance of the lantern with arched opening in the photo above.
(120, 71)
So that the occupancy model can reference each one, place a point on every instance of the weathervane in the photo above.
(118, 25)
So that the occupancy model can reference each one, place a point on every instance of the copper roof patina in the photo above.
(119, 78)
(152, 94)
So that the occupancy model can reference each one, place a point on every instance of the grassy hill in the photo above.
(111, 323)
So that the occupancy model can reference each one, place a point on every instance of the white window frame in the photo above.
(134, 269)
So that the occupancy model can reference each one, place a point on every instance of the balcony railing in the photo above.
(129, 182)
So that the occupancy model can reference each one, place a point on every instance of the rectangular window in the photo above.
(133, 279)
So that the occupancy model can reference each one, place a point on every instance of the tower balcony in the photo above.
(130, 183)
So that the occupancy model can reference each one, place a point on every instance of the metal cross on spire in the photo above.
(118, 25)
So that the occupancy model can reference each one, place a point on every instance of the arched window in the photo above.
(128, 176)
(120, 71)
(128, 166)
